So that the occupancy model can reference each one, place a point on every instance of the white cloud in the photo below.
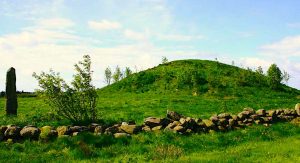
(133, 35)
(55, 23)
(104, 25)
(289, 46)
(177, 37)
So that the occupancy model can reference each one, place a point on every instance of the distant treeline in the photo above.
(20, 94)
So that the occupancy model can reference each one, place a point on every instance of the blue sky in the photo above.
(38, 35)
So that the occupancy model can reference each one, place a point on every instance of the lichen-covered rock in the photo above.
(146, 128)
(3, 129)
(244, 115)
(121, 135)
(297, 108)
(99, 130)
(225, 115)
(174, 115)
(112, 130)
(152, 122)
(232, 122)
(12, 132)
(214, 119)
(271, 113)
(78, 129)
(179, 129)
(48, 133)
(208, 123)
(157, 128)
(261, 112)
(30, 132)
(63, 130)
(173, 124)
(130, 129)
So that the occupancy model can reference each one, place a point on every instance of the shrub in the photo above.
(76, 102)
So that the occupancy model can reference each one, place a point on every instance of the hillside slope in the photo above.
(197, 77)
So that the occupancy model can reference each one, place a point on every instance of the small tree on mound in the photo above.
(274, 77)
(76, 102)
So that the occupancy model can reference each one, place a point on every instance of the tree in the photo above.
(286, 77)
(260, 70)
(108, 75)
(128, 72)
(274, 76)
(117, 76)
(76, 102)
(164, 60)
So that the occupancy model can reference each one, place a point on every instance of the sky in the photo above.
(39, 35)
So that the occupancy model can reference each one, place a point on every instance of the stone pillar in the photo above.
(11, 94)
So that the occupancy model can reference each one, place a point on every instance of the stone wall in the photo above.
(173, 122)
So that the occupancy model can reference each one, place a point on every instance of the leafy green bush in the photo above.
(76, 102)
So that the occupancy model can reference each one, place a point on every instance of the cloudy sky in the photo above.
(38, 35)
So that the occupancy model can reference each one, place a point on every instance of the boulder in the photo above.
(152, 122)
(130, 129)
(223, 122)
(208, 123)
(267, 119)
(30, 132)
(261, 112)
(92, 126)
(173, 124)
(146, 128)
(63, 130)
(174, 115)
(244, 114)
(121, 135)
(112, 130)
(225, 115)
(179, 129)
(78, 129)
(157, 128)
(214, 119)
(250, 110)
(297, 108)
(12, 132)
(3, 129)
(270, 113)
(48, 132)
(99, 130)
(232, 122)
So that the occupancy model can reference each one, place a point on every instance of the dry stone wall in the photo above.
(173, 122)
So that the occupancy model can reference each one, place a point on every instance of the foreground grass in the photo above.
(278, 143)
(125, 106)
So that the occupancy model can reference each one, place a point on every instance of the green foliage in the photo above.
(108, 76)
(117, 76)
(274, 77)
(128, 72)
(76, 102)
(164, 60)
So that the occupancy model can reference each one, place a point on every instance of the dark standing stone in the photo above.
(11, 94)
